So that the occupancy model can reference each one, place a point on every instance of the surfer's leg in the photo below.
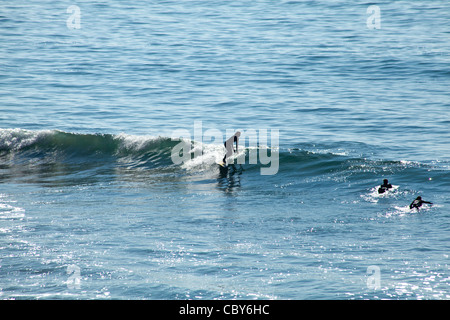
(229, 151)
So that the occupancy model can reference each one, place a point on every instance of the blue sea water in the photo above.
(92, 205)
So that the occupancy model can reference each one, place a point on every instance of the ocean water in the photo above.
(340, 95)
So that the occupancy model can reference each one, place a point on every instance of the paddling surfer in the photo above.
(418, 203)
(385, 186)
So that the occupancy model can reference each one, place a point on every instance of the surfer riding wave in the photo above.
(229, 146)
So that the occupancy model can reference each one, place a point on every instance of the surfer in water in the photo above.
(229, 146)
(418, 203)
(385, 186)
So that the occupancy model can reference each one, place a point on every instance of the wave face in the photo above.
(52, 152)
(19, 147)
(17, 144)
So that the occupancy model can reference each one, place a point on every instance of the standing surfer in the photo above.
(229, 146)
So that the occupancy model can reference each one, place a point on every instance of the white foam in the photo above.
(401, 211)
(136, 143)
(16, 139)
(206, 156)
(209, 155)
(374, 196)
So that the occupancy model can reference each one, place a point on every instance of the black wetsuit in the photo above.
(418, 203)
(384, 187)
(234, 140)
(229, 150)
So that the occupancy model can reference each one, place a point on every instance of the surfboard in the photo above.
(223, 164)
(223, 168)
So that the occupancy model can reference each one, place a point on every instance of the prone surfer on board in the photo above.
(385, 186)
(229, 146)
(418, 203)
